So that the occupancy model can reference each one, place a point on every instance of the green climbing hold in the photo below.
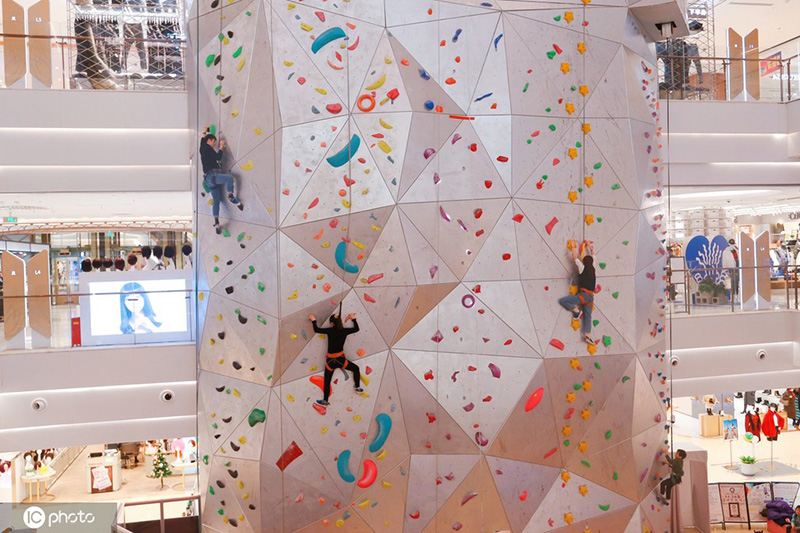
(600, 219)
(606, 341)
(566, 442)
(580, 189)
(214, 425)
(605, 507)
(577, 386)
(608, 434)
(616, 186)
(597, 366)
(225, 232)
(544, 177)
(547, 109)
(529, 141)
(211, 489)
(216, 269)
(237, 311)
(625, 243)
(261, 319)
(597, 166)
(557, 18)
(578, 144)
(240, 237)
(261, 351)
(261, 287)
(615, 476)
(217, 90)
(552, 127)
(595, 323)
(602, 266)
(551, 54)
(205, 460)
(625, 378)
(220, 512)
(257, 416)
(250, 269)
(573, 88)
(586, 463)
(269, 377)
(237, 53)
(525, 89)
(220, 37)
(210, 59)
(615, 295)
(227, 391)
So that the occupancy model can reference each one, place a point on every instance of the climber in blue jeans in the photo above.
(582, 303)
(214, 178)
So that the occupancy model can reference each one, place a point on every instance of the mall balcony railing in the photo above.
(770, 79)
(685, 295)
(95, 62)
(98, 318)
(174, 514)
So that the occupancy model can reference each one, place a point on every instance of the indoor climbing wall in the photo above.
(427, 164)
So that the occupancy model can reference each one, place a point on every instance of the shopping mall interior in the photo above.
(399, 265)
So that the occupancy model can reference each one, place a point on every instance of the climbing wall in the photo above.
(426, 164)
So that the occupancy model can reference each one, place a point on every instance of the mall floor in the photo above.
(783, 466)
(136, 486)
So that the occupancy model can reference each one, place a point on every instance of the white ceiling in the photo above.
(740, 200)
(104, 207)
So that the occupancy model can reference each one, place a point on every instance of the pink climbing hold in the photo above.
(469, 407)
(480, 439)
(550, 225)
(444, 213)
(428, 153)
(495, 370)
(468, 497)
(437, 337)
(369, 298)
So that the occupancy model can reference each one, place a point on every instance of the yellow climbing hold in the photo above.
(346, 204)
(313, 368)
(583, 489)
(388, 60)
(591, 348)
(257, 130)
(572, 153)
(570, 397)
(245, 496)
(293, 336)
(385, 147)
(584, 90)
(568, 518)
(570, 108)
(247, 166)
(586, 128)
(235, 113)
(582, 48)
(572, 196)
(356, 418)
(378, 83)
(305, 27)
(589, 219)
(364, 504)
(290, 397)
(240, 66)
(381, 456)
(221, 362)
(321, 91)
(339, 523)
(324, 430)
(240, 485)
(243, 440)
(293, 296)
(588, 181)
(565, 68)
(582, 446)
(376, 228)
(288, 63)
(358, 245)
(575, 324)
(567, 431)
(385, 124)
(574, 364)
(237, 394)
(568, 16)
(386, 485)
(212, 342)
(565, 476)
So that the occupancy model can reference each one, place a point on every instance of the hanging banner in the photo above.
(757, 495)
(734, 502)
(786, 491)
(714, 504)
(770, 64)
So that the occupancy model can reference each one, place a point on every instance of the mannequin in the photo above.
(158, 253)
(97, 264)
(119, 264)
(86, 265)
(132, 260)
(107, 263)
(169, 253)
(772, 423)
(752, 423)
(187, 256)
(749, 400)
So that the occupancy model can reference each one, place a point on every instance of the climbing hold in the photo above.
(341, 258)
(326, 37)
(344, 155)
(370, 473)
(257, 416)
(534, 399)
(343, 466)
(291, 453)
(384, 422)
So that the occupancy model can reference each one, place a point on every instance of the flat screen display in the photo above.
(138, 307)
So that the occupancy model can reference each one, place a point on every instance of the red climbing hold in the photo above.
(334, 108)
(534, 399)
(502, 159)
(550, 225)
(478, 213)
(429, 374)
(555, 343)
(487, 184)
(431, 418)
(506, 257)
(517, 218)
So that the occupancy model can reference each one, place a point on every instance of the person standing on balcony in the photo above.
(730, 262)
(215, 180)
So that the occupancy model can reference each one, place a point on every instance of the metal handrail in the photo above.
(116, 528)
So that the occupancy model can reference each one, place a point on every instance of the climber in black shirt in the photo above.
(337, 334)
(214, 178)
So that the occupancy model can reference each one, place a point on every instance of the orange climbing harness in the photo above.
(335, 356)
(583, 300)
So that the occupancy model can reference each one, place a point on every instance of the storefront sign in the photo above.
(714, 504)
(786, 491)
(734, 502)
(771, 64)
(757, 495)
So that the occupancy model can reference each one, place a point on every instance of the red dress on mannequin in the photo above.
(773, 422)
(752, 423)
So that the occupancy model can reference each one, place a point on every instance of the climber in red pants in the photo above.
(337, 334)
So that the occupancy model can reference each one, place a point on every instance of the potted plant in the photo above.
(716, 292)
(748, 465)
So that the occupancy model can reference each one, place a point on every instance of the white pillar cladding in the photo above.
(426, 164)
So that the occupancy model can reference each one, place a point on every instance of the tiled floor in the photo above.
(136, 487)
